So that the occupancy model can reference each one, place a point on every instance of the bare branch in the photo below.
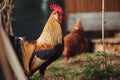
(8, 28)
(1, 10)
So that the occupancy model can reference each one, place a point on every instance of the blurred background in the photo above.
(30, 16)
(89, 11)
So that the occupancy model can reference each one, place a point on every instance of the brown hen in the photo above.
(75, 42)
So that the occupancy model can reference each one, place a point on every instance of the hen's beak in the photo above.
(66, 56)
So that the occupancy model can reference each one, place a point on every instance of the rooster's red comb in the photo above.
(56, 7)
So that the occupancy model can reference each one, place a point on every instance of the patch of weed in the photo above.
(56, 71)
(35, 76)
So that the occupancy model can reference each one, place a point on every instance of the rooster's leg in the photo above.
(43, 67)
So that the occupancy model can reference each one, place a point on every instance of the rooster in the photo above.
(75, 42)
(38, 54)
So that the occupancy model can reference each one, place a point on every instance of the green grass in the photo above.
(60, 71)
(60, 58)
(79, 70)
(35, 76)
(56, 71)
(73, 74)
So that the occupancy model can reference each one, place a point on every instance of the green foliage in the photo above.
(97, 69)
(72, 74)
(35, 77)
(7, 2)
(57, 71)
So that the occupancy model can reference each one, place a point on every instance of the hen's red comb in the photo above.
(56, 7)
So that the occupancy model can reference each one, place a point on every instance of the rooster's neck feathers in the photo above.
(51, 33)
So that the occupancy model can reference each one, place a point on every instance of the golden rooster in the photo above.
(38, 54)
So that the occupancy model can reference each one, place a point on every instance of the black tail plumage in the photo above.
(15, 41)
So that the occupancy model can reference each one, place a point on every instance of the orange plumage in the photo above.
(75, 42)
